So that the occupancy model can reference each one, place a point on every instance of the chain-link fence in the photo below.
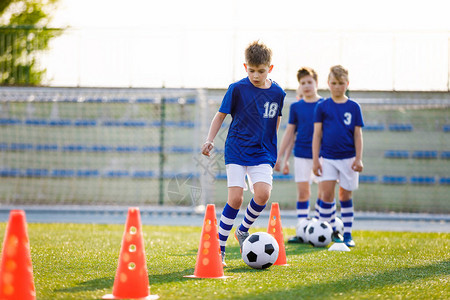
(142, 147)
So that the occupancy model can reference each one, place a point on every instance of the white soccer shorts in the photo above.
(259, 173)
(303, 170)
(340, 169)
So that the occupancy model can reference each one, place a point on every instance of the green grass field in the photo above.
(73, 261)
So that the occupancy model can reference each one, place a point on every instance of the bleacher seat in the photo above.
(428, 154)
(400, 127)
(446, 128)
(20, 147)
(4, 122)
(445, 154)
(116, 173)
(368, 178)
(394, 179)
(100, 148)
(63, 173)
(396, 154)
(74, 148)
(10, 172)
(60, 122)
(36, 172)
(374, 127)
(87, 173)
(46, 147)
(444, 180)
(85, 123)
(143, 174)
(427, 180)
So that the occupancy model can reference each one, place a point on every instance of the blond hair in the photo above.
(339, 72)
(258, 54)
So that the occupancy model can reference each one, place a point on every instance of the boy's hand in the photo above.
(357, 165)
(207, 147)
(317, 168)
(277, 166)
(286, 168)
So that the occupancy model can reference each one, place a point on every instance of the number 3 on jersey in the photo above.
(270, 109)
(347, 118)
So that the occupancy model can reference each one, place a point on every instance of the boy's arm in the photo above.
(316, 142)
(357, 165)
(286, 141)
(216, 123)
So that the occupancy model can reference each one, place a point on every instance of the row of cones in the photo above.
(131, 279)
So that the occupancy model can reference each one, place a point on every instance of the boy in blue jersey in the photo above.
(299, 131)
(255, 105)
(338, 141)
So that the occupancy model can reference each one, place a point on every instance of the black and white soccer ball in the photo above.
(319, 233)
(300, 229)
(260, 250)
(339, 225)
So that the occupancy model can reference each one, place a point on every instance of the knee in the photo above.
(235, 201)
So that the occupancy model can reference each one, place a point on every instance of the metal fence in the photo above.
(97, 146)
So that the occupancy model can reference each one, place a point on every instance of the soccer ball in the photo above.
(300, 229)
(339, 225)
(260, 250)
(319, 233)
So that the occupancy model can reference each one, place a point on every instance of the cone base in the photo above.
(193, 276)
(339, 247)
(149, 297)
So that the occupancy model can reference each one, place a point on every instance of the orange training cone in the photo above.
(16, 270)
(209, 259)
(276, 231)
(131, 281)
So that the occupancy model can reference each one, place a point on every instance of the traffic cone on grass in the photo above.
(16, 270)
(274, 228)
(209, 259)
(131, 280)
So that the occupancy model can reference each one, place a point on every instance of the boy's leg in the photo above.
(347, 215)
(235, 183)
(254, 209)
(261, 176)
(229, 213)
(304, 192)
(348, 181)
(327, 204)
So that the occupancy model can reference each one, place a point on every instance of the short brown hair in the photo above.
(306, 71)
(258, 54)
(339, 72)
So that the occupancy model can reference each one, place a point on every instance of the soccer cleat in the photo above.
(336, 237)
(241, 236)
(295, 240)
(348, 240)
(224, 264)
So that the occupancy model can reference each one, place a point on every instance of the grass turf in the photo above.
(78, 261)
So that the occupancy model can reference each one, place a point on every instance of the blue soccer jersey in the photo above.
(301, 115)
(252, 136)
(338, 126)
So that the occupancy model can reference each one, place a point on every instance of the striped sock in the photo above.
(347, 215)
(226, 224)
(325, 211)
(333, 216)
(253, 211)
(316, 209)
(302, 210)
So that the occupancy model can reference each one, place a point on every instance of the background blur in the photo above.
(124, 94)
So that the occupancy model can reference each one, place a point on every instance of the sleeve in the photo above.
(359, 118)
(280, 108)
(292, 115)
(227, 102)
(318, 113)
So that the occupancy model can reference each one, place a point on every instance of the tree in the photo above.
(23, 36)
